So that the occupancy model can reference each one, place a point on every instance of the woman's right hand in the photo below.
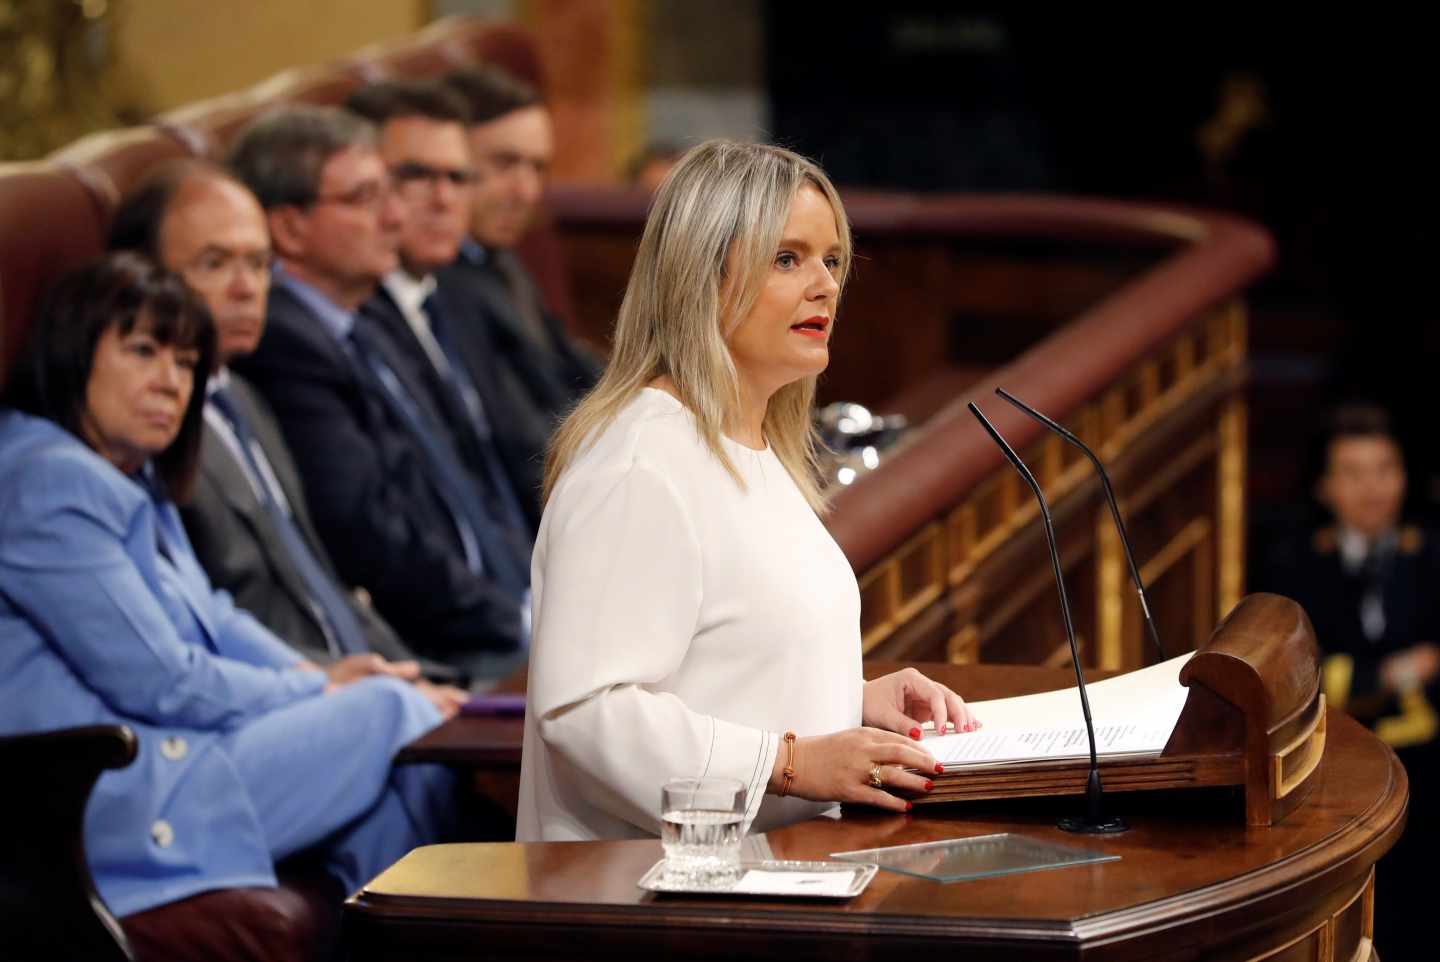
(837, 768)
(354, 667)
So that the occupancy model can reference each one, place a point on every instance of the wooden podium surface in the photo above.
(1192, 882)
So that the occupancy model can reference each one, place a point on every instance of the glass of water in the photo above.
(700, 829)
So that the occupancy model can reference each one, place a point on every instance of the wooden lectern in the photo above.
(1254, 716)
(1192, 881)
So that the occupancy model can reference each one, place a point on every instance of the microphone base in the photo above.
(1084, 825)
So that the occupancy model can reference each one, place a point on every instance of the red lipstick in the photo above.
(817, 326)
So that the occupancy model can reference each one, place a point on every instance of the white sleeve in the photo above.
(620, 592)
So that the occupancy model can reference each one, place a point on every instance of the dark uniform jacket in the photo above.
(1404, 576)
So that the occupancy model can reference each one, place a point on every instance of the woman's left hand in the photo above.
(447, 699)
(902, 701)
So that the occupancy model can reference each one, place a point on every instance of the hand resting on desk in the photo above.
(839, 767)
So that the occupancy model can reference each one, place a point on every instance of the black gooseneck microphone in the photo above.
(1065, 433)
(1094, 821)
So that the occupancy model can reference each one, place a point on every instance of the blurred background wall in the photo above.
(181, 50)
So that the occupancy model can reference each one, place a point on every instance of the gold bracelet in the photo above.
(789, 770)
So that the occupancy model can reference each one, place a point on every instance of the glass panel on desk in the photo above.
(962, 859)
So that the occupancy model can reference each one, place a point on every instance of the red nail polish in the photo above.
(908, 806)
(915, 734)
(939, 769)
(929, 785)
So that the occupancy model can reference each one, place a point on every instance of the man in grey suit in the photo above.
(248, 520)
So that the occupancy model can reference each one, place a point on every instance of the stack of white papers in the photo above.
(1134, 715)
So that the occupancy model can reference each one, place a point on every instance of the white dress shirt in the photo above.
(682, 624)
(410, 295)
(1355, 550)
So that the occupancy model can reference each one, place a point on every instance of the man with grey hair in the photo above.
(401, 515)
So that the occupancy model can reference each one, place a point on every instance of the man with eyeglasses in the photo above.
(499, 432)
(400, 512)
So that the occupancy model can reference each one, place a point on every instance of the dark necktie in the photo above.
(327, 602)
(1374, 570)
(505, 504)
(522, 296)
(484, 539)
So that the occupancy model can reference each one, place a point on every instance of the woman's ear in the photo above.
(289, 231)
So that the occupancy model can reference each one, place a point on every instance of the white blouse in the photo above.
(682, 624)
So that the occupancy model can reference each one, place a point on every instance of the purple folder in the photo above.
(495, 703)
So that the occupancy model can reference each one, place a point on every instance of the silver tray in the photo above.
(654, 879)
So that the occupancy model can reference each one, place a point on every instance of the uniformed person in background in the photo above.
(1371, 585)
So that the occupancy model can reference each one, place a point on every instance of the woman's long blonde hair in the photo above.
(724, 200)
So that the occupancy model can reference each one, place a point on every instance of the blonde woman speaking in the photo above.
(692, 614)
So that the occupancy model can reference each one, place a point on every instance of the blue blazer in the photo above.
(92, 633)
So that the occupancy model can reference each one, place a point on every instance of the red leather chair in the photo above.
(111, 162)
(44, 880)
(49, 223)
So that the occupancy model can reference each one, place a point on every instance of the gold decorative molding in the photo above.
(963, 647)
(1110, 581)
(1230, 512)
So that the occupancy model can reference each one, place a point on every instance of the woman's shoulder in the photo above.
(652, 430)
(652, 435)
(44, 468)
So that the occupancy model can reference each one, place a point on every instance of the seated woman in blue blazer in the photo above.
(247, 754)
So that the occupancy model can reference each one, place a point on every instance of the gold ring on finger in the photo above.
(875, 780)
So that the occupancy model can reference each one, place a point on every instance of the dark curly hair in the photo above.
(53, 371)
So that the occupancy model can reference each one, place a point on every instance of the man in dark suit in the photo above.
(400, 512)
(247, 518)
(511, 145)
(500, 434)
